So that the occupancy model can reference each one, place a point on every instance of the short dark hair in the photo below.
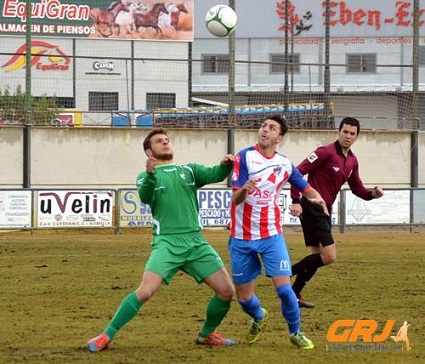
(281, 120)
(147, 141)
(350, 121)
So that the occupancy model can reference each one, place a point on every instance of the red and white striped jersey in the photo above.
(258, 217)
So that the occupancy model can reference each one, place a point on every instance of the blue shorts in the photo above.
(246, 257)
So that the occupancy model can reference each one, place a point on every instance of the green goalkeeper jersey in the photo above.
(171, 193)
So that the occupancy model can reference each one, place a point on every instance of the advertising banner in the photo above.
(348, 18)
(298, 19)
(392, 208)
(15, 209)
(284, 201)
(133, 213)
(214, 208)
(418, 196)
(73, 209)
(103, 19)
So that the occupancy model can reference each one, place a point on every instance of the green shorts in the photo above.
(190, 253)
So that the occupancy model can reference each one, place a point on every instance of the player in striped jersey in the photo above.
(259, 173)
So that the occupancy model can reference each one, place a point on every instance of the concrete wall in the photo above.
(112, 158)
(149, 73)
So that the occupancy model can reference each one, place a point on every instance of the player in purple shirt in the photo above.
(328, 168)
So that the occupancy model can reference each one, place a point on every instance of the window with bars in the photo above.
(59, 102)
(361, 63)
(215, 63)
(277, 63)
(65, 102)
(160, 101)
(103, 101)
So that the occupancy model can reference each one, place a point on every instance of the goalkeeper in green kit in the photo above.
(171, 192)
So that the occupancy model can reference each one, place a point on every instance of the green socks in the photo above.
(128, 308)
(216, 311)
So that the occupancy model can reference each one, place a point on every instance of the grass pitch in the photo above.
(59, 289)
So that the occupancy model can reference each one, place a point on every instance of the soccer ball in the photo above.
(221, 20)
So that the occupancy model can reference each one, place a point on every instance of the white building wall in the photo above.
(153, 76)
(88, 79)
(257, 36)
(43, 82)
(156, 76)
(391, 76)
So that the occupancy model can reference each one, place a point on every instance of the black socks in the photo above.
(305, 270)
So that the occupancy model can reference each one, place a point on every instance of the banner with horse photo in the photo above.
(103, 19)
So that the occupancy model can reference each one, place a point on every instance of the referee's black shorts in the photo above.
(316, 224)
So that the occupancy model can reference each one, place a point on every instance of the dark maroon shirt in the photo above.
(328, 169)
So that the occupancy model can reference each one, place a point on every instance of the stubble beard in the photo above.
(166, 157)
